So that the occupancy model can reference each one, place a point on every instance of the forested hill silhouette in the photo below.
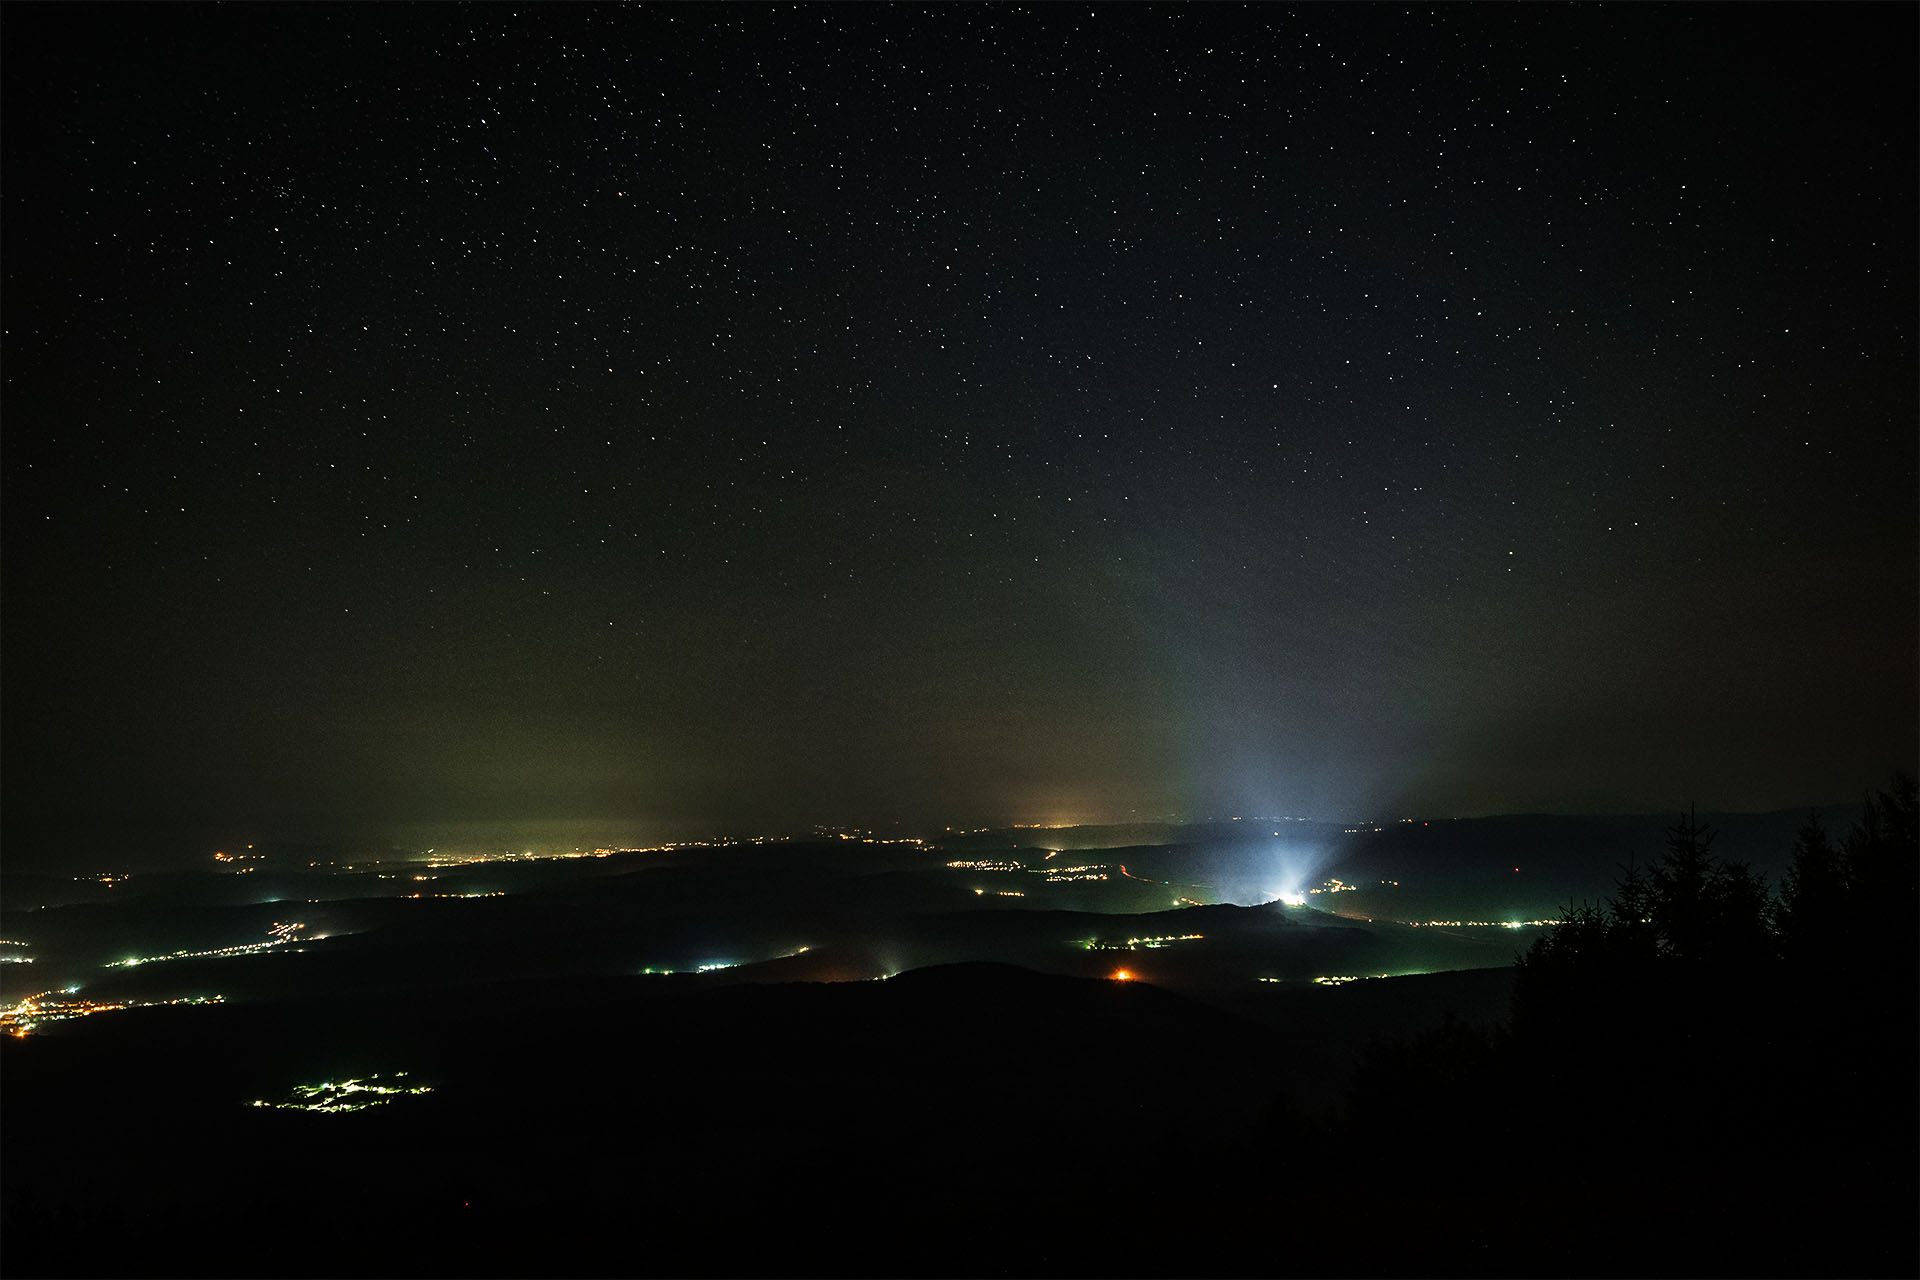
(1713, 1079)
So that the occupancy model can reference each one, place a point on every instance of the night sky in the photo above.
(760, 417)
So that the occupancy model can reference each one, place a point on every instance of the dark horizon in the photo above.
(143, 846)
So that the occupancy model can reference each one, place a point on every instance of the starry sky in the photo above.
(868, 415)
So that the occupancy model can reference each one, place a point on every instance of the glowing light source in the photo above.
(348, 1095)
(1123, 975)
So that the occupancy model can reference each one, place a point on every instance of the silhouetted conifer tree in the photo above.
(1882, 855)
(1813, 899)
(1632, 915)
(1679, 897)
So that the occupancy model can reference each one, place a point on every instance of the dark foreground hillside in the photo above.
(961, 1120)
